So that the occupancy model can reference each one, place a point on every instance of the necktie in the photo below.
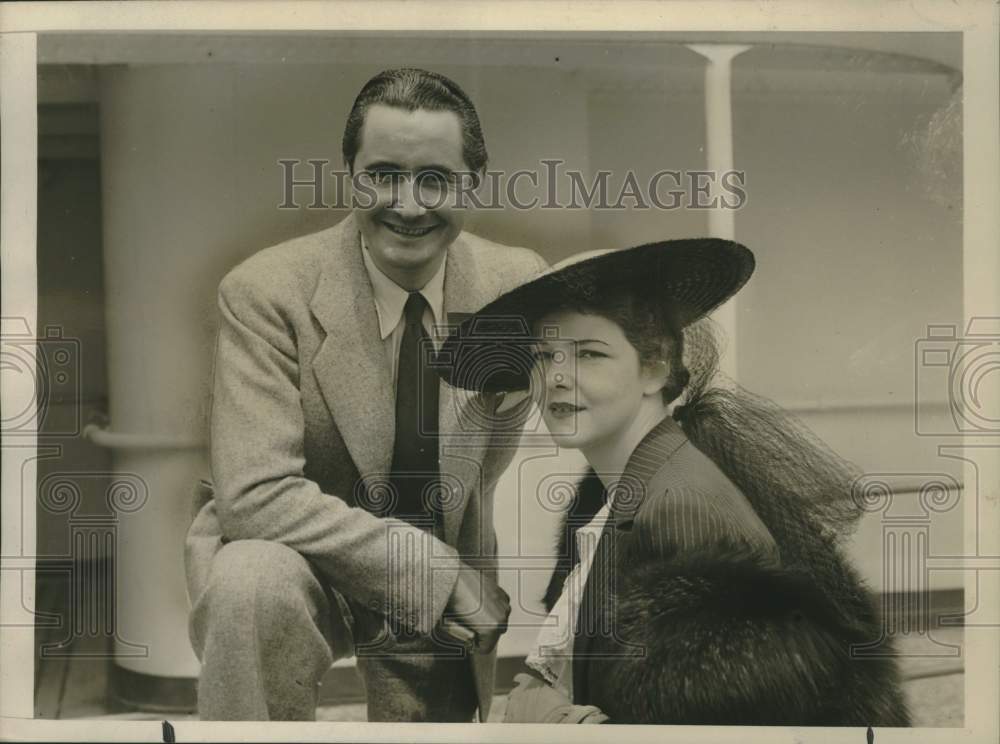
(415, 451)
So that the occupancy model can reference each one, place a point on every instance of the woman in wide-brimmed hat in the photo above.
(699, 575)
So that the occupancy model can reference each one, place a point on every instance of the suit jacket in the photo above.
(302, 429)
(692, 612)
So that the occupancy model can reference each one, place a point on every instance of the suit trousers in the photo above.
(267, 626)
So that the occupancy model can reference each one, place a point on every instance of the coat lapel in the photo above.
(649, 460)
(351, 366)
(353, 373)
(461, 417)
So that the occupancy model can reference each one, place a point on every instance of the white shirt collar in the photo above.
(390, 298)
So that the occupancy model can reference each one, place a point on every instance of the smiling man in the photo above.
(353, 504)
(408, 163)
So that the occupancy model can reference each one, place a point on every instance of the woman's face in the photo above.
(594, 383)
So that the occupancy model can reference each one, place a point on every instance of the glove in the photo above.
(533, 701)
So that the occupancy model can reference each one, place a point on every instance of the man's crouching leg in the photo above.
(266, 631)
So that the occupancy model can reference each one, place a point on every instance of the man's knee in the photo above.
(259, 629)
(261, 582)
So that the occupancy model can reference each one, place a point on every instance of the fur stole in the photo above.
(728, 641)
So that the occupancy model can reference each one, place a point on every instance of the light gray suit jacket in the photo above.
(303, 416)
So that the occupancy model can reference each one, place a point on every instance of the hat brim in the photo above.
(492, 350)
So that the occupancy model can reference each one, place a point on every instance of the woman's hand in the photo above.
(533, 701)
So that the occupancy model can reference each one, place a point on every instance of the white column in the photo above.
(161, 238)
(719, 155)
(18, 231)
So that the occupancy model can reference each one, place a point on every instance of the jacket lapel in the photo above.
(649, 457)
(461, 415)
(353, 373)
(351, 366)
(649, 460)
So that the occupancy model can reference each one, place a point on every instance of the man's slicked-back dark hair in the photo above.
(411, 89)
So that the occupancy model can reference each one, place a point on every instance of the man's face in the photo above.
(414, 218)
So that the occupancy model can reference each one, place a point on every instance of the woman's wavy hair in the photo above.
(800, 488)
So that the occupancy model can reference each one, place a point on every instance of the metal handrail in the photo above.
(119, 440)
(928, 674)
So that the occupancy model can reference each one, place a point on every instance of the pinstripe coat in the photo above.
(689, 616)
(302, 424)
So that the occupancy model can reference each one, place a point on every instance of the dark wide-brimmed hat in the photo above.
(492, 350)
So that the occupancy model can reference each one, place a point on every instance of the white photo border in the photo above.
(22, 23)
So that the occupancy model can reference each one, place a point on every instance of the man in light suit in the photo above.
(328, 433)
